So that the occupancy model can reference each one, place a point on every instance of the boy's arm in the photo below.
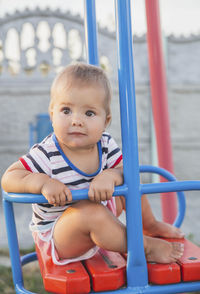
(19, 180)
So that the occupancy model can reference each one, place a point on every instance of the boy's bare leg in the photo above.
(86, 224)
(151, 226)
(155, 228)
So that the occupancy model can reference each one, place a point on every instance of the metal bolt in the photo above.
(70, 271)
(192, 258)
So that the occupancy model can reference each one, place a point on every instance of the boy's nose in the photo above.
(76, 121)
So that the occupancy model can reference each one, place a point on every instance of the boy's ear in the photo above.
(50, 112)
(108, 120)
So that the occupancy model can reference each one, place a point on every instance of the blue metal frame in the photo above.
(136, 255)
(137, 279)
(91, 32)
(17, 262)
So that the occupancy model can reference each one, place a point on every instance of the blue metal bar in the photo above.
(91, 32)
(157, 289)
(13, 242)
(170, 187)
(38, 198)
(28, 258)
(170, 177)
(136, 263)
(19, 288)
(13, 245)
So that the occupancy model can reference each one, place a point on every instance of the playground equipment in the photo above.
(105, 266)
(158, 82)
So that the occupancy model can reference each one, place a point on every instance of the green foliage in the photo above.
(6, 284)
(191, 237)
(32, 280)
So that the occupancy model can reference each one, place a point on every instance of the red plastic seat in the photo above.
(107, 271)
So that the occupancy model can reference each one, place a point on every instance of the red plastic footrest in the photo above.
(190, 262)
(164, 273)
(161, 274)
(187, 269)
(107, 270)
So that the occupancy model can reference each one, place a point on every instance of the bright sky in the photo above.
(177, 16)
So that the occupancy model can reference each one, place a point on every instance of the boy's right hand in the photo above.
(56, 192)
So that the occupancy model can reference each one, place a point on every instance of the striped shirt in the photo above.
(47, 157)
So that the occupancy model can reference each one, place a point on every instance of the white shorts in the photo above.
(46, 241)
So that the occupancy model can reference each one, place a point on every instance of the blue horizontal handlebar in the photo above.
(38, 198)
(170, 187)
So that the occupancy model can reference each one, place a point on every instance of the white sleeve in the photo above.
(114, 155)
(37, 160)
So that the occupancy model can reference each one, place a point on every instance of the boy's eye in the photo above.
(66, 110)
(90, 113)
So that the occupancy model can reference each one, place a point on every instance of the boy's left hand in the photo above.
(103, 185)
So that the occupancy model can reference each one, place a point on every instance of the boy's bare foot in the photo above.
(161, 251)
(165, 230)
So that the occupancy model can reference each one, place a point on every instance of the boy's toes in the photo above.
(178, 233)
(177, 250)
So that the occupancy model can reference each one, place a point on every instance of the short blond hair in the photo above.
(84, 74)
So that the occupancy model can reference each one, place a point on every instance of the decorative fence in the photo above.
(34, 45)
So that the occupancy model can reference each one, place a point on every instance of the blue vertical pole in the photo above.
(91, 32)
(136, 263)
(13, 243)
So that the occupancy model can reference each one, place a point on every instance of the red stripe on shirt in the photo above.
(117, 161)
(25, 164)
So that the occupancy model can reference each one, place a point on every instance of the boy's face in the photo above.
(79, 116)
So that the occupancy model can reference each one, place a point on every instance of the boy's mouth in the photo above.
(76, 134)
